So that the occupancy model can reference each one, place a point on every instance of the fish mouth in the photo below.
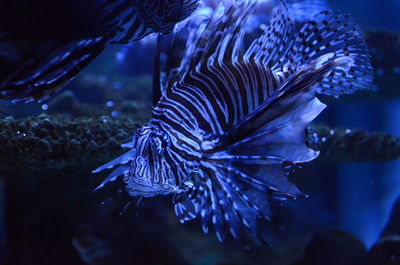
(137, 187)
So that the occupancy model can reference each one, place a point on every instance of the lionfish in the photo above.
(45, 43)
(230, 118)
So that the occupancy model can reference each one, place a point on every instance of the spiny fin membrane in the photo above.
(263, 100)
(288, 48)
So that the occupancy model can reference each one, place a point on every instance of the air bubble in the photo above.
(120, 56)
(110, 104)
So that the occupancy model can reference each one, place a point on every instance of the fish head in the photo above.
(149, 174)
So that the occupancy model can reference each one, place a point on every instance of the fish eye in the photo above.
(159, 144)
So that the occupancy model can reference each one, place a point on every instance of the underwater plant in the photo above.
(43, 50)
(229, 119)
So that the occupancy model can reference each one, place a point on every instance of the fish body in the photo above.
(229, 118)
(44, 43)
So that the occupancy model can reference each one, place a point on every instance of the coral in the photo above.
(339, 145)
(56, 142)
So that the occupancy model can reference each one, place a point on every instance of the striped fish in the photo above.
(45, 43)
(230, 119)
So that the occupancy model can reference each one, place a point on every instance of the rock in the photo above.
(334, 247)
(385, 252)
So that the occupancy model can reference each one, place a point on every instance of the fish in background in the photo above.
(45, 43)
(230, 118)
(303, 10)
(300, 10)
(127, 56)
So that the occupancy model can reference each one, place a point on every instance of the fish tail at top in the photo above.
(48, 67)
(41, 50)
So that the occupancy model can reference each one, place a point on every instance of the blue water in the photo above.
(57, 221)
